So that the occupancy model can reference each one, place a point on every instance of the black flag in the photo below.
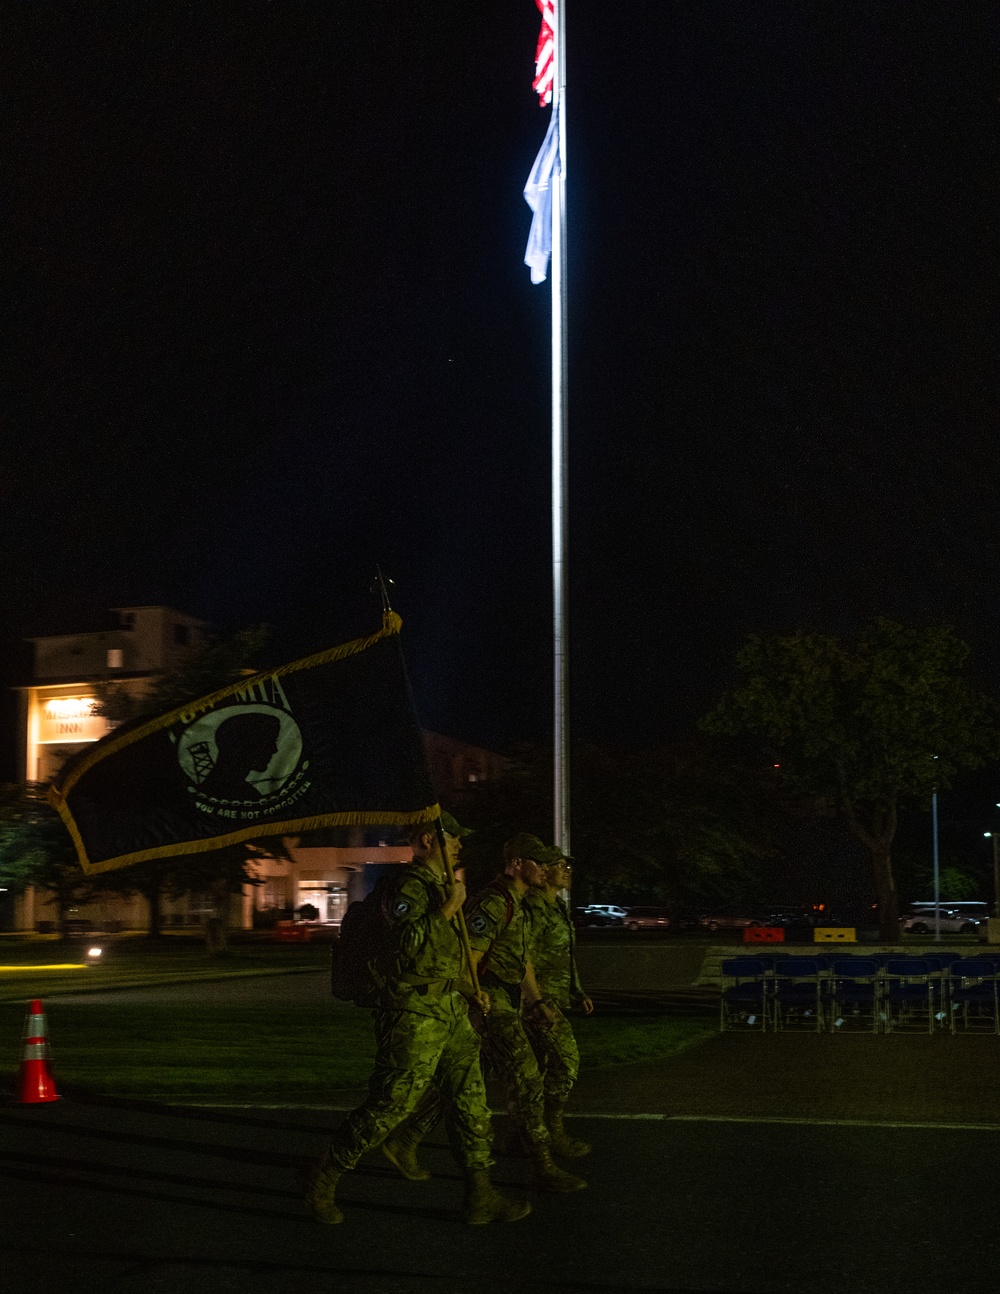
(326, 741)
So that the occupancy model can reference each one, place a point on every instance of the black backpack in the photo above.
(362, 954)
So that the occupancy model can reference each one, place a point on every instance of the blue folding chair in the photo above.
(798, 995)
(940, 965)
(745, 1003)
(907, 994)
(853, 994)
(974, 995)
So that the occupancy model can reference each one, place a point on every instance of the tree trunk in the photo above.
(888, 896)
(62, 913)
(154, 894)
(217, 925)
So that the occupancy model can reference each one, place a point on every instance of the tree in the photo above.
(35, 849)
(863, 728)
(676, 825)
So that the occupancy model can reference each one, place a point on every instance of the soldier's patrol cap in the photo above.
(452, 827)
(525, 845)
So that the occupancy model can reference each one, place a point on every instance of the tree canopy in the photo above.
(864, 727)
(678, 825)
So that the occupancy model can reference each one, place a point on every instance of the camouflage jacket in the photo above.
(503, 943)
(427, 947)
(552, 943)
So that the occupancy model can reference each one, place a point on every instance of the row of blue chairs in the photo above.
(879, 993)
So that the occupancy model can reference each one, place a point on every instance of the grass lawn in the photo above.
(25, 965)
(263, 1053)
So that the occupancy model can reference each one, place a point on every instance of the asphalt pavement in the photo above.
(101, 1199)
(747, 1164)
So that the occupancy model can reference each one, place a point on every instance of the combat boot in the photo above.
(547, 1176)
(561, 1142)
(400, 1148)
(320, 1182)
(483, 1203)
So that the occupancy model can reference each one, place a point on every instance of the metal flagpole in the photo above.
(560, 445)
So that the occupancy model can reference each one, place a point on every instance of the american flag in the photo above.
(545, 53)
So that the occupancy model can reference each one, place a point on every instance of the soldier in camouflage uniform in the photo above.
(499, 934)
(553, 957)
(423, 1036)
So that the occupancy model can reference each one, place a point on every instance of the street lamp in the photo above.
(992, 835)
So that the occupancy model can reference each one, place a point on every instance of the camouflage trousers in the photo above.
(557, 1055)
(417, 1053)
(508, 1054)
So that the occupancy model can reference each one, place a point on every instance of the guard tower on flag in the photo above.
(545, 194)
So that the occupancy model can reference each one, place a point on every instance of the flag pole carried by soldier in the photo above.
(423, 1035)
(553, 951)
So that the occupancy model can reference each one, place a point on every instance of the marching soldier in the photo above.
(499, 935)
(554, 961)
(423, 1035)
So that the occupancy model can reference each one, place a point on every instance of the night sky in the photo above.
(268, 324)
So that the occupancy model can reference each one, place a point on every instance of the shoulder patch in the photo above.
(478, 923)
(401, 907)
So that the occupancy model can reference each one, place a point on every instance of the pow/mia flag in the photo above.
(326, 741)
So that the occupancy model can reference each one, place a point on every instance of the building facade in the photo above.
(58, 718)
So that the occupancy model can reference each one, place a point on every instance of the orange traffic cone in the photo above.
(35, 1083)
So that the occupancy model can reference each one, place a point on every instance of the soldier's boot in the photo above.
(400, 1148)
(561, 1142)
(320, 1182)
(484, 1203)
(547, 1176)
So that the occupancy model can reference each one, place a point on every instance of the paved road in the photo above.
(99, 1199)
(750, 1164)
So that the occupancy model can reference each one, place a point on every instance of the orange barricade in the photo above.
(292, 932)
(763, 935)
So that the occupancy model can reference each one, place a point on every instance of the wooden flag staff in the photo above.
(463, 930)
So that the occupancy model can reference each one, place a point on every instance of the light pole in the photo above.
(992, 835)
(937, 870)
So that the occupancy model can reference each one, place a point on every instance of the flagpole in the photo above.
(560, 447)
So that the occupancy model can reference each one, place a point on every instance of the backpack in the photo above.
(362, 954)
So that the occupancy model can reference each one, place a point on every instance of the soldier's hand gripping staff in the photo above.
(423, 1035)
(554, 961)
(499, 934)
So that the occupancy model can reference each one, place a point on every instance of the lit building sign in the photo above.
(70, 718)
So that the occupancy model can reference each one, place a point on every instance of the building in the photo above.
(57, 719)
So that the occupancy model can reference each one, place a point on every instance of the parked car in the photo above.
(729, 921)
(599, 914)
(953, 922)
(974, 908)
(792, 916)
(646, 919)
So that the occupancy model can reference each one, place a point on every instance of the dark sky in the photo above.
(268, 324)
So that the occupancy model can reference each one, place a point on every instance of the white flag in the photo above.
(538, 196)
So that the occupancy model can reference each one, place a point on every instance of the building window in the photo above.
(127, 619)
(116, 658)
(182, 635)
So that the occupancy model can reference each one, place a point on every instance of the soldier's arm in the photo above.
(419, 928)
(534, 1005)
